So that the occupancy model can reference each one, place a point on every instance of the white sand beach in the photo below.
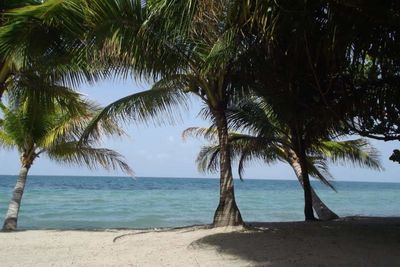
(349, 242)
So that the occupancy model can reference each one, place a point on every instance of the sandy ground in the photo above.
(348, 242)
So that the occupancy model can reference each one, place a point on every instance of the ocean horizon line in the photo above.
(208, 178)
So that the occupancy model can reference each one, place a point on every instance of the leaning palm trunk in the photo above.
(323, 212)
(302, 156)
(10, 222)
(227, 213)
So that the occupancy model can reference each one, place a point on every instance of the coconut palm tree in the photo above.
(37, 126)
(263, 137)
(207, 54)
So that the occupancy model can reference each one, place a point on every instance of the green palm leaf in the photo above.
(74, 153)
(357, 152)
(157, 105)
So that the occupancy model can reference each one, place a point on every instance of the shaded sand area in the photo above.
(348, 242)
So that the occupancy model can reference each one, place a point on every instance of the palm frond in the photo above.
(318, 168)
(208, 159)
(222, 52)
(160, 106)
(210, 134)
(65, 128)
(74, 153)
(358, 152)
(6, 141)
(244, 148)
(42, 93)
(251, 148)
(254, 115)
(69, 127)
(13, 125)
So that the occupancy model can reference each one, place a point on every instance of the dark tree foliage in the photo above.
(395, 156)
(373, 57)
(333, 66)
(7, 4)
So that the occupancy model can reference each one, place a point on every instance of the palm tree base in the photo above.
(313, 219)
(227, 214)
(10, 224)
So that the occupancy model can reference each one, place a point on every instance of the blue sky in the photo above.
(160, 151)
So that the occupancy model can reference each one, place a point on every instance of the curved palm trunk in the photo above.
(323, 212)
(227, 213)
(308, 207)
(10, 222)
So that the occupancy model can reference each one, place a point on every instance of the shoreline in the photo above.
(350, 241)
(256, 224)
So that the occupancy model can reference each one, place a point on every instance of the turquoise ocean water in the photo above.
(70, 202)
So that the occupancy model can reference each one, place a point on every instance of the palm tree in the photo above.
(36, 126)
(263, 137)
(298, 64)
(207, 55)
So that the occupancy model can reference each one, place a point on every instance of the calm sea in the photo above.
(66, 202)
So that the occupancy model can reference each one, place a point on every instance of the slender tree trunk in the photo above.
(323, 212)
(301, 152)
(227, 213)
(10, 222)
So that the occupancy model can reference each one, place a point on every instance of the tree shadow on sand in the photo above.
(352, 241)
